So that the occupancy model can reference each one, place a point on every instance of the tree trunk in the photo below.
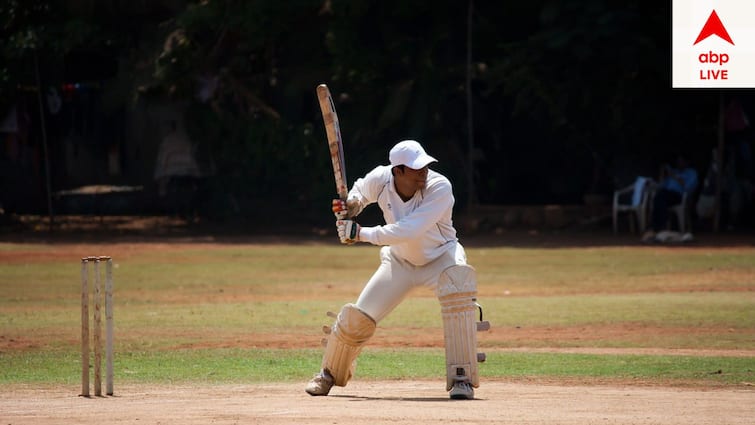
(471, 189)
(45, 150)
(720, 161)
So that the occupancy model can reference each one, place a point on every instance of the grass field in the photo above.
(199, 311)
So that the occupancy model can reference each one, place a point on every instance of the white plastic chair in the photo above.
(637, 209)
(681, 211)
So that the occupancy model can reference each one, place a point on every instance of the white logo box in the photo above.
(713, 62)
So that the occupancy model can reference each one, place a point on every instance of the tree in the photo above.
(248, 70)
(588, 76)
(40, 42)
(24, 35)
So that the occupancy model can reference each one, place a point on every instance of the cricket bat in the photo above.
(335, 143)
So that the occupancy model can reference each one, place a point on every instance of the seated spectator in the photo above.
(673, 183)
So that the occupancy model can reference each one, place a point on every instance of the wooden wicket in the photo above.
(97, 326)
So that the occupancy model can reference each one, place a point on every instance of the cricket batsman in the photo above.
(419, 247)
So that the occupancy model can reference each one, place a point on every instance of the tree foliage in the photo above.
(562, 90)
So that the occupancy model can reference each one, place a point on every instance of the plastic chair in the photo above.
(624, 202)
(681, 211)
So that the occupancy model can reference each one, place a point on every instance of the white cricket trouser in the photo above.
(396, 277)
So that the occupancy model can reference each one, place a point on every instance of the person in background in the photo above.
(674, 182)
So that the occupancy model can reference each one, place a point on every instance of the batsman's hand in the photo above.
(348, 231)
(344, 210)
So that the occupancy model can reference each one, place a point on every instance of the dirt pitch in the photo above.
(375, 403)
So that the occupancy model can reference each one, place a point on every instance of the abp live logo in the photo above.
(712, 44)
(713, 62)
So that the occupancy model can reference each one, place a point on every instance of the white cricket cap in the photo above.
(411, 154)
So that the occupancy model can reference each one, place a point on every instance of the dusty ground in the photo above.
(375, 403)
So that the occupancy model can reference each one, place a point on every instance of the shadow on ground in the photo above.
(90, 228)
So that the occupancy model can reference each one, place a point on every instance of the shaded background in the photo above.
(524, 103)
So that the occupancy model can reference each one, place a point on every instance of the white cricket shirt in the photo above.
(418, 230)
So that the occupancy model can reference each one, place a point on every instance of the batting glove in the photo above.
(340, 209)
(344, 210)
(348, 231)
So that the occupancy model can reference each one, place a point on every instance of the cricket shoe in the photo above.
(320, 384)
(461, 391)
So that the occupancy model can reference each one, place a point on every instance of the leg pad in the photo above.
(457, 293)
(351, 330)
